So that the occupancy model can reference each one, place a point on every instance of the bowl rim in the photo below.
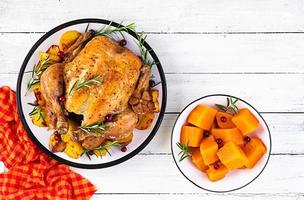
(53, 155)
(225, 95)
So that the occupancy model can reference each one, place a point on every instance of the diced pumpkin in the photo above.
(38, 94)
(54, 50)
(44, 56)
(155, 94)
(224, 120)
(144, 121)
(232, 156)
(254, 150)
(217, 173)
(67, 39)
(245, 121)
(208, 149)
(227, 135)
(197, 160)
(202, 116)
(191, 136)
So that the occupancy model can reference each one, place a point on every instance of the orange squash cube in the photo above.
(228, 135)
(224, 120)
(208, 149)
(254, 150)
(245, 121)
(191, 136)
(198, 161)
(202, 116)
(232, 156)
(217, 173)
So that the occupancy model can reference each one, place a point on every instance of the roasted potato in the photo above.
(38, 94)
(55, 144)
(38, 118)
(67, 136)
(73, 149)
(155, 95)
(67, 39)
(100, 153)
(54, 50)
(144, 121)
(44, 56)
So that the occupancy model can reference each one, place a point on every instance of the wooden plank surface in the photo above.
(159, 16)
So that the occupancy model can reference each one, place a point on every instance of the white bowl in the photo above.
(235, 179)
(41, 135)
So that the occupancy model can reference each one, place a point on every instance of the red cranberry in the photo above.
(57, 136)
(61, 99)
(206, 134)
(36, 102)
(123, 42)
(216, 166)
(92, 31)
(219, 142)
(60, 54)
(223, 119)
(91, 152)
(124, 149)
(247, 139)
(151, 83)
(109, 118)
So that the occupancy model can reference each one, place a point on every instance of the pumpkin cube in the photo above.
(224, 120)
(198, 161)
(254, 150)
(227, 135)
(202, 116)
(245, 121)
(208, 149)
(191, 136)
(217, 171)
(232, 156)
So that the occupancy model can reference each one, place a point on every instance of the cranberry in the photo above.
(60, 54)
(91, 152)
(223, 119)
(247, 139)
(57, 136)
(124, 149)
(92, 31)
(123, 42)
(206, 134)
(36, 102)
(216, 166)
(109, 118)
(151, 83)
(219, 142)
(61, 99)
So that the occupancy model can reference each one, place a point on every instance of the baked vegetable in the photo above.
(217, 172)
(191, 136)
(202, 116)
(254, 150)
(228, 135)
(144, 121)
(198, 161)
(224, 120)
(67, 39)
(208, 149)
(73, 149)
(245, 121)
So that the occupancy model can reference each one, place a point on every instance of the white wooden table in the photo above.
(252, 49)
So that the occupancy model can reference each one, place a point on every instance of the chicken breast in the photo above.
(118, 69)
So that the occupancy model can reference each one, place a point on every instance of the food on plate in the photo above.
(221, 138)
(93, 92)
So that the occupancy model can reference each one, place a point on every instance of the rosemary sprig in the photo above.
(102, 147)
(84, 83)
(108, 30)
(97, 128)
(185, 151)
(38, 70)
(230, 107)
(141, 38)
(36, 110)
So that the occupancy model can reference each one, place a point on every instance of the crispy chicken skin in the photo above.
(51, 88)
(118, 69)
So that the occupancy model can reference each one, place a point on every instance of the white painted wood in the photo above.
(188, 53)
(209, 196)
(266, 92)
(158, 15)
(158, 174)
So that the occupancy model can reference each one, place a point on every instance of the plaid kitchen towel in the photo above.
(31, 173)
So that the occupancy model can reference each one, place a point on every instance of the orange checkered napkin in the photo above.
(31, 173)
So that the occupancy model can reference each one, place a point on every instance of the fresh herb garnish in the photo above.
(230, 107)
(36, 110)
(105, 147)
(141, 39)
(38, 70)
(84, 83)
(108, 30)
(185, 151)
(97, 128)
